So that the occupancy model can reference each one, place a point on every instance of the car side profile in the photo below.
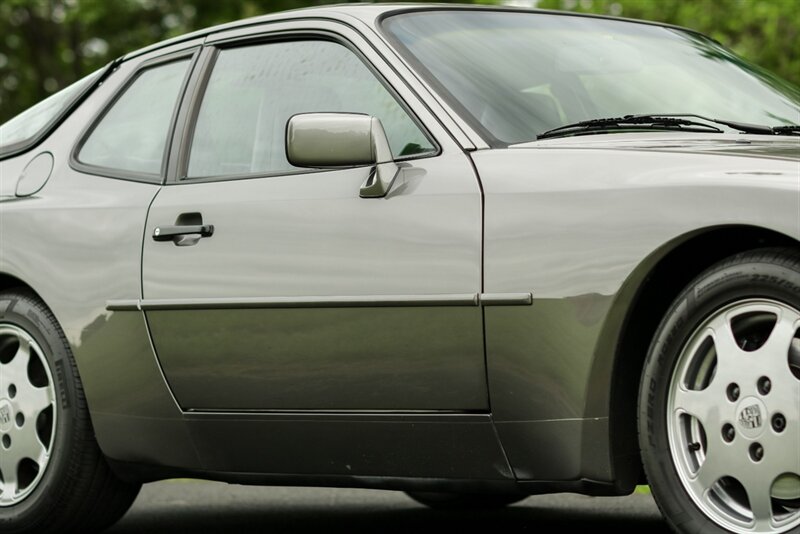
(469, 253)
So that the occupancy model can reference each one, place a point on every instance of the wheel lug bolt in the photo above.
(20, 419)
(728, 433)
(6, 441)
(733, 392)
(764, 385)
(756, 452)
(778, 422)
(12, 391)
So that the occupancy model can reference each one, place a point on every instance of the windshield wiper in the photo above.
(658, 122)
(670, 121)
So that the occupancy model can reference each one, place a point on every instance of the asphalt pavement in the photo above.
(178, 506)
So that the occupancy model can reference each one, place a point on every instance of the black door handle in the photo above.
(173, 233)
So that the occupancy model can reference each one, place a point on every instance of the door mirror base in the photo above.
(380, 181)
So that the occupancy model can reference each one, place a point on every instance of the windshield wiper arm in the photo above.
(741, 126)
(745, 127)
(614, 123)
(792, 129)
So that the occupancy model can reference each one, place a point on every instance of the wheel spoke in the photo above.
(776, 348)
(780, 456)
(728, 350)
(758, 493)
(699, 404)
(27, 444)
(714, 468)
(33, 400)
(8, 469)
(16, 371)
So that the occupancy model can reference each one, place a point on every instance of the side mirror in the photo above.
(333, 140)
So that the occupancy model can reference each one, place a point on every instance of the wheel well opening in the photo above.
(660, 288)
(9, 282)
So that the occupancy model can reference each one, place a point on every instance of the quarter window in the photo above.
(132, 135)
(254, 90)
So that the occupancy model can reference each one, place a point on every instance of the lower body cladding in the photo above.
(147, 435)
(404, 446)
(403, 452)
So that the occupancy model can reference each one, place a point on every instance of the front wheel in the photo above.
(719, 405)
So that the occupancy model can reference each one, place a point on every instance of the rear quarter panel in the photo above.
(77, 243)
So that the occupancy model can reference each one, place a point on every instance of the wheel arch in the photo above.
(8, 281)
(638, 309)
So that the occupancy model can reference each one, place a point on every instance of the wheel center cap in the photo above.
(751, 417)
(6, 415)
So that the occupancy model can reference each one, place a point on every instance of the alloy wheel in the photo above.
(27, 414)
(733, 417)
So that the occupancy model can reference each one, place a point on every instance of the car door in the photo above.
(305, 296)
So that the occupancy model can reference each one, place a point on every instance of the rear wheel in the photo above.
(53, 477)
(719, 416)
(461, 501)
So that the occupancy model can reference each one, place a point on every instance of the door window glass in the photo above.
(254, 90)
(133, 134)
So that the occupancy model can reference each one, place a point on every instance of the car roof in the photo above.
(370, 14)
(367, 12)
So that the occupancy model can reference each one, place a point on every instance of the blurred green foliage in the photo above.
(47, 44)
(766, 32)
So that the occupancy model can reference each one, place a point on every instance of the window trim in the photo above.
(195, 101)
(120, 174)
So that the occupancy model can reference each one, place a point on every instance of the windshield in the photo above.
(514, 75)
(31, 123)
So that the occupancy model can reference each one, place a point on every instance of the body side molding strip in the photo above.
(123, 305)
(368, 301)
(506, 299)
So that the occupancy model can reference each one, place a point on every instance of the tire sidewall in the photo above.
(25, 312)
(709, 293)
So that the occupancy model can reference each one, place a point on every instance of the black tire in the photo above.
(747, 279)
(465, 501)
(77, 491)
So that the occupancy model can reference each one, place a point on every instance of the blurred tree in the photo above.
(766, 32)
(47, 44)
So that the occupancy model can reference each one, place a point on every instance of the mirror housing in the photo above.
(341, 140)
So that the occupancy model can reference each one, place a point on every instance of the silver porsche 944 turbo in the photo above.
(472, 254)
